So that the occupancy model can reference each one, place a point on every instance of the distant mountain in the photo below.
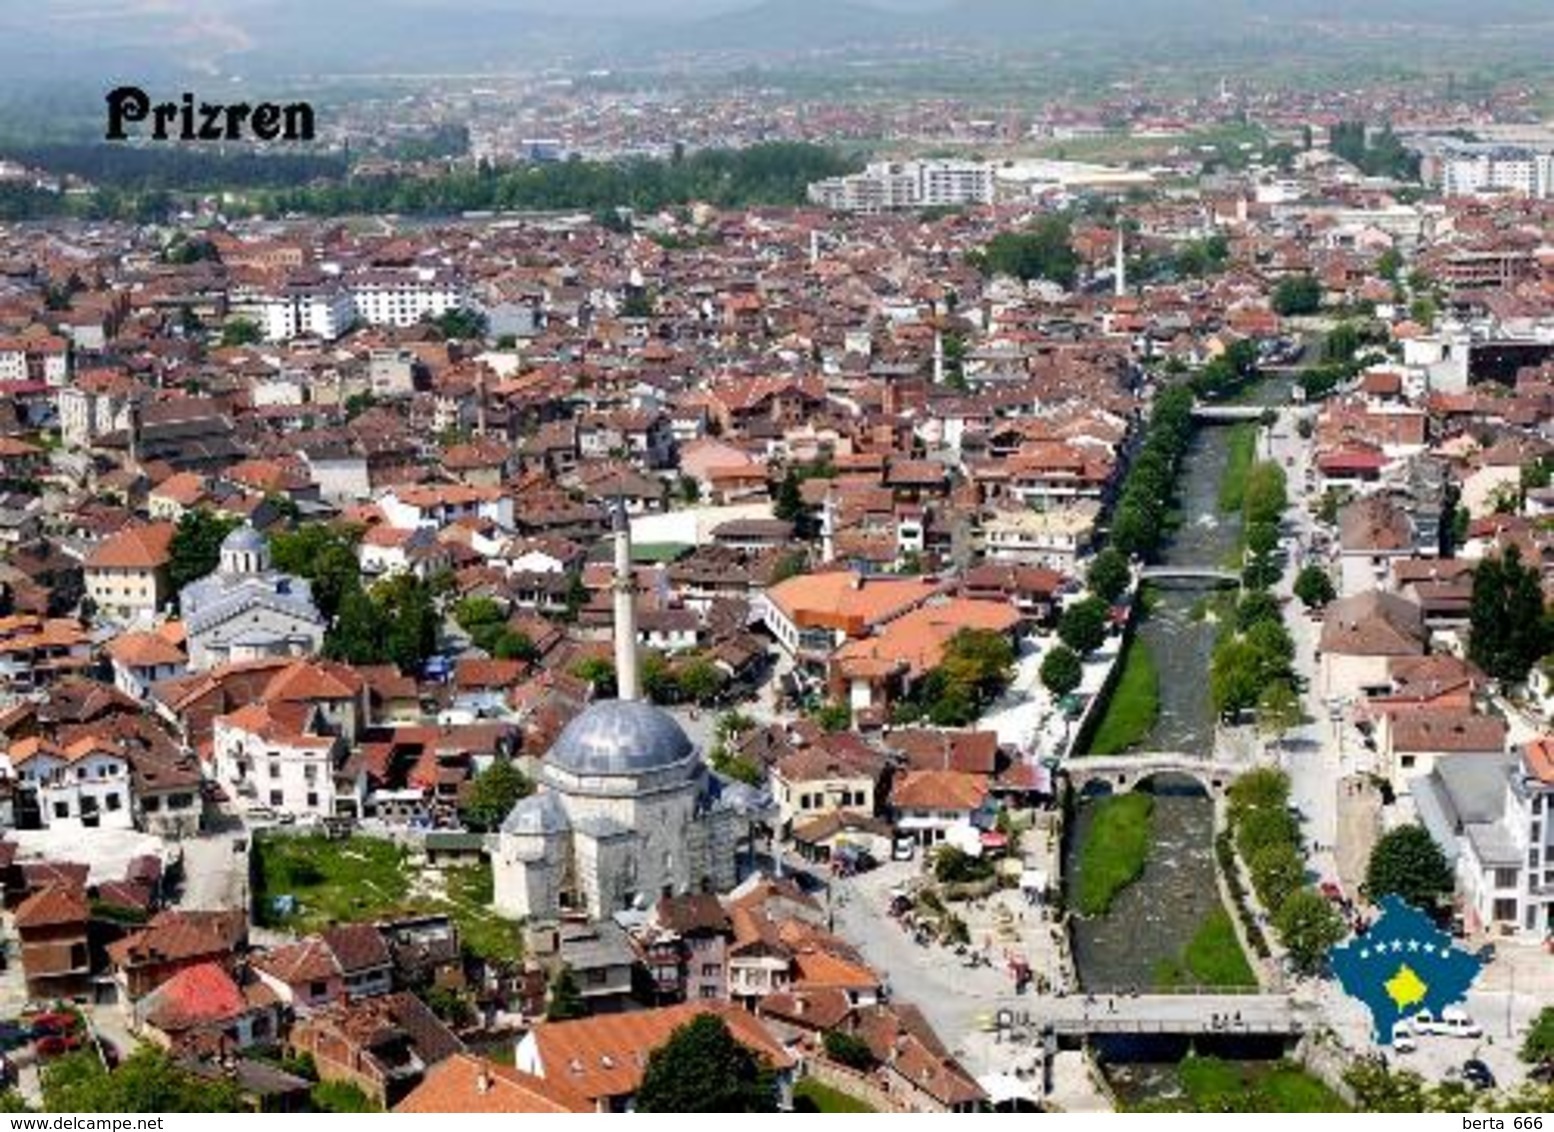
(74, 39)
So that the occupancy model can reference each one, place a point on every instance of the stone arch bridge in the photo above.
(1121, 773)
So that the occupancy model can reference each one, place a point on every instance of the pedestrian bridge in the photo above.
(1193, 1015)
(1227, 414)
(1121, 773)
(1210, 574)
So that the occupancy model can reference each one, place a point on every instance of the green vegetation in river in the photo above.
(1115, 850)
(1133, 705)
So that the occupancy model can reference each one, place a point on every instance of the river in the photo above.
(1153, 919)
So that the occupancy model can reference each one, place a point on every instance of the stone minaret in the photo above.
(1120, 268)
(938, 355)
(627, 676)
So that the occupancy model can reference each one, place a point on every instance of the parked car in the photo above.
(904, 848)
(1402, 1038)
(1452, 1023)
(1477, 1074)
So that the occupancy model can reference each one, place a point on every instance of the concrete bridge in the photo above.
(1210, 574)
(1227, 414)
(1122, 773)
(1084, 1016)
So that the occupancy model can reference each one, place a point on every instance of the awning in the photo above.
(1001, 1088)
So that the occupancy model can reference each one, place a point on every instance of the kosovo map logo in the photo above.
(1404, 964)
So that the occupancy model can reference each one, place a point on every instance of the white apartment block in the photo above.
(329, 307)
(887, 185)
(1472, 170)
(321, 310)
(403, 298)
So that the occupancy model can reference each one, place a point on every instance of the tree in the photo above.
(701, 681)
(566, 1000)
(1297, 294)
(1389, 264)
(461, 323)
(324, 554)
(1508, 630)
(1083, 625)
(704, 1068)
(1109, 575)
(407, 615)
(1538, 1047)
(196, 546)
(1256, 606)
(1042, 252)
(1406, 861)
(241, 332)
(1261, 828)
(341, 1096)
(789, 505)
(1234, 685)
(1266, 788)
(148, 1080)
(1061, 671)
(833, 716)
(493, 794)
(1378, 1089)
(597, 671)
(1262, 538)
(1264, 496)
(1314, 587)
(659, 682)
(1308, 926)
(1277, 870)
(849, 1050)
(1278, 708)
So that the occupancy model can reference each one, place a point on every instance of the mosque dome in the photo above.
(620, 737)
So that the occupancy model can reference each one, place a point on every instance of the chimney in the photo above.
(938, 356)
(483, 1081)
(480, 401)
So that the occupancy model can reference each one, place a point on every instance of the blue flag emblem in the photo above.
(1403, 965)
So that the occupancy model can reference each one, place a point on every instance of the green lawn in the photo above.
(1134, 703)
(1212, 1085)
(809, 1095)
(1213, 958)
(1243, 447)
(1114, 850)
(364, 878)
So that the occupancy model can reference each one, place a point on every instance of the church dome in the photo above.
(243, 540)
(620, 737)
(245, 551)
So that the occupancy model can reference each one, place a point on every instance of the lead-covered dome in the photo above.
(620, 737)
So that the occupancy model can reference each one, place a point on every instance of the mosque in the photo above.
(626, 810)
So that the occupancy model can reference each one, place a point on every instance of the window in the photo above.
(62, 809)
(1505, 911)
(316, 989)
(710, 970)
(113, 802)
(312, 801)
(1505, 878)
(276, 797)
(275, 770)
